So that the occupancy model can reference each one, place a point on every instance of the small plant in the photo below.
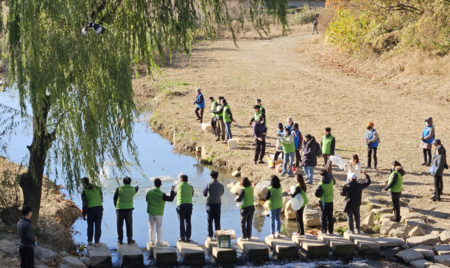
(376, 228)
(341, 230)
(378, 216)
(305, 15)
(401, 68)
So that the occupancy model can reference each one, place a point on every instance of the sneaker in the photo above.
(328, 233)
(197, 119)
(217, 139)
(271, 236)
(90, 243)
(428, 164)
(256, 163)
(299, 235)
(349, 232)
(277, 235)
(261, 162)
(181, 240)
(120, 243)
(424, 163)
(209, 238)
(356, 231)
(368, 167)
(131, 242)
(283, 174)
(188, 240)
(97, 244)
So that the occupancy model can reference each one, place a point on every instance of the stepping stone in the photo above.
(442, 249)
(409, 255)
(222, 255)
(427, 251)
(444, 259)
(130, 255)
(429, 240)
(413, 215)
(416, 222)
(365, 244)
(192, 253)
(339, 245)
(282, 247)
(73, 262)
(313, 247)
(100, 256)
(421, 263)
(164, 254)
(255, 249)
(389, 242)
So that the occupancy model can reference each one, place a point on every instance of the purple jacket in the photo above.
(258, 130)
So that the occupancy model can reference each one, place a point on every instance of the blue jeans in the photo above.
(288, 157)
(228, 130)
(275, 217)
(309, 171)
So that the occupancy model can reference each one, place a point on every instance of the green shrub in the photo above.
(341, 230)
(305, 15)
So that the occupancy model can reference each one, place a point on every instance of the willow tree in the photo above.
(78, 87)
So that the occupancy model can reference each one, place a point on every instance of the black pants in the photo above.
(260, 149)
(396, 202)
(213, 212)
(213, 124)
(27, 257)
(425, 153)
(326, 216)
(199, 115)
(184, 215)
(298, 158)
(94, 219)
(247, 221)
(369, 156)
(299, 217)
(277, 153)
(350, 213)
(126, 215)
(438, 186)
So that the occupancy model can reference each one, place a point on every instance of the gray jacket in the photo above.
(26, 233)
(214, 191)
(440, 160)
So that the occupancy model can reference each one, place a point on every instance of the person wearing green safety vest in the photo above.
(123, 201)
(220, 125)
(185, 191)
(289, 152)
(274, 198)
(156, 201)
(260, 112)
(328, 144)
(395, 185)
(92, 197)
(227, 118)
(213, 115)
(324, 192)
(247, 208)
(300, 188)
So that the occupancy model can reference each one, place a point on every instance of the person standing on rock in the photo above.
(395, 185)
(259, 132)
(289, 152)
(279, 148)
(213, 115)
(227, 118)
(156, 201)
(427, 141)
(300, 188)
(298, 140)
(220, 126)
(92, 197)
(324, 192)
(372, 140)
(123, 201)
(200, 101)
(213, 192)
(247, 208)
(315, 27)
(185, 192)
(309, 152)
(274, 198)
(440, 163)
(27, 239)
(328, 145)
(353, 193)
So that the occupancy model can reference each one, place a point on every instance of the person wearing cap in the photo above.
(227, 118)
(290, 124)
(353, 167)
(156, 201)
(123, 201)
(328, 144)
(309, 152)
(289, 152)
(427, 141)
(353, 194)
(372, 141)
(200, 101)
(213, 192)
(325, 193)
(220, 126)
(259, 132)
(298, 140)
(92, 198)
(440, 163)
(213, 115)
(280, 147)
(185, 192)
(395, 185)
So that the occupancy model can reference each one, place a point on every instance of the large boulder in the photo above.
(286, 199)
(73, 262)
(445, 236)
(311, 217)
(381, 210)
(289, 212)
(387, 216)
(416, 222)
(409, 255)
(413, 215)
(416, 231)
(230, 185)
(236, 188)
(421, 263)
(442, 249)
(368, 220)
(387, 226)
(427, 251)
(400, 232)
(444, 259)
(429, 240)
(261, 188)
(43, 255)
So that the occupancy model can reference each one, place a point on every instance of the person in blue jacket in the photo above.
(298, 139)
(427, 141)
(372, 140)
(200, 101)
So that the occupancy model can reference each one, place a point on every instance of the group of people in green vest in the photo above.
(221, 119)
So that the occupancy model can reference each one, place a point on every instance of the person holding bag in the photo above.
(300, 189)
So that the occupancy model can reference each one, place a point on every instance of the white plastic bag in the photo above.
(433, 169)
(297, 201)
(338, 161)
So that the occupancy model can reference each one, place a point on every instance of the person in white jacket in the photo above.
(353, 166)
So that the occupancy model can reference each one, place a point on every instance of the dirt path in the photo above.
(291, 82)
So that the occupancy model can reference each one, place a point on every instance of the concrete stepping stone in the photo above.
(442, 249)
(163, 253)
(191, 252)
(443, 259)
(100, 256)
(429, 240)
(255, 249)
(390, 242)
(409, 255)
(364, 243)
(282, 247)
(416, 222)
(427, 251)
(421, 263)
(314, 248)
(222, 255)
(339, 245)
(130, 255)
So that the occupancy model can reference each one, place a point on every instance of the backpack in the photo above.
(318, 149)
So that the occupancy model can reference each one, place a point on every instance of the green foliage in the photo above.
(377, 216)
(341, 230)
(305, 15)
(376, 228)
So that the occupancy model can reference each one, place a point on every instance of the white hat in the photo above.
(353, 176)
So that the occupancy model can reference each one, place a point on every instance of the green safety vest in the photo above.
(276, 198)
(155, 202)
(288, 148)
(326, 144)
(184, 193)
(248, 197)
(93, 196)
(226, 118)
(304, 196)
(397, 188)
(213, 104)
(327, 192)
(125, 197)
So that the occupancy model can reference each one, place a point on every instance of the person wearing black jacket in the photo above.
(353, 193)
(259, 132)
(440, 162)
(27, 239)
(395, 185)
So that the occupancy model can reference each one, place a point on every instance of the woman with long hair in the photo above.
(353, 167)
(247, 209)
(274, 198)
(300, 188)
